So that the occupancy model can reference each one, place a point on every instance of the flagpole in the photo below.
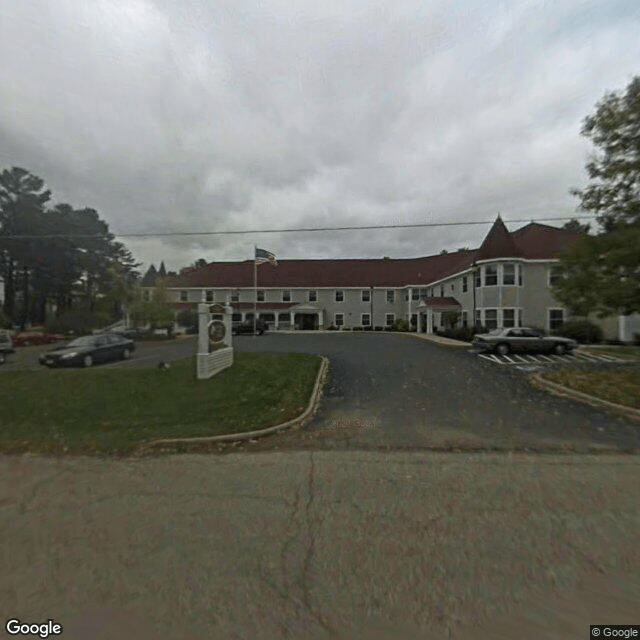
(255, 287)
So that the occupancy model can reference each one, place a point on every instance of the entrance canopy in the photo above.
(429, 306)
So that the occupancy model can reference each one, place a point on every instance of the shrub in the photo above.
(332, 328)
(188, 318)
(378, 328)
(357, 328)
(636, 339)
(401, 325)
(78, 322)
(583, 331)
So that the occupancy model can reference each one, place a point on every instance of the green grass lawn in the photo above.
(112, 410)
(621, 386)
(624, 353)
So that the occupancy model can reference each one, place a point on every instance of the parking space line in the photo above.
(509, 359)
(520, 358)
(534, 359)
(546, 358)
(492, 358)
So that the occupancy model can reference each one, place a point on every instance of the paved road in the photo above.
(404, 393)
(322, 544)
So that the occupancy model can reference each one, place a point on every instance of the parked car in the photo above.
(88, 350)
(518, 339)
(247, 327)
(30, 338)
(6, 345)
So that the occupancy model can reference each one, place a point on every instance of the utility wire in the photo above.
(173, 234)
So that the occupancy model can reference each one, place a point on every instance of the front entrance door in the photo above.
(306, 321)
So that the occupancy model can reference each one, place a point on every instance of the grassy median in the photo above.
(621, 386)
(94, 411)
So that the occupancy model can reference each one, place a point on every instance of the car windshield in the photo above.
(495, 332)
(84, 341)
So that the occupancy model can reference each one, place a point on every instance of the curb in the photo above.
(560, 390)
(247, 435)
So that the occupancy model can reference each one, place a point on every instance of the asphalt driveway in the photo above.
(399, 392)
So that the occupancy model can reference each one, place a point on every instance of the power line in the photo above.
(174, 234)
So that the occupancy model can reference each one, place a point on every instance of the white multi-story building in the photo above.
(506, 282)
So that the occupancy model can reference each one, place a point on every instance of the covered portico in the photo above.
(432, 308)
(307, 316)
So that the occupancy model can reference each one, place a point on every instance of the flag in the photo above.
(265, 256)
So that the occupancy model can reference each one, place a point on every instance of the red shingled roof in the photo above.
(326, 273)
(540, 241)
(498, 243)
(440, 302)
(534, 241)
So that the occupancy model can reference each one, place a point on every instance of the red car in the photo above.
(29, 338)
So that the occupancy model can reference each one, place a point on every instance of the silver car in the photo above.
(518, 339)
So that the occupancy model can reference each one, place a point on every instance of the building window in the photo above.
(415, 294)
(491, 318)
(508, 317)
(184, 296)
(519, 276)
(490, 275)
(478, 279)
(414, 319)
(556, 318)
(441, 291)
(284, 317)
(235, 297)
(313, 296)
(268, 317)
(209, 295)
(453, 286)
(391, 296)
(338, 319)
(478, 318)
(236, 317)
(464, 284)
(390, 319)
(339, 296)
(366, 320)
(260, 295)
(248, 316)
(509, 274)
(286, 296)
(464, 319)
(555, 274)
(423, 293)
(366, 295)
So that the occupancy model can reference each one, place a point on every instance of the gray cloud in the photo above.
(169, 116)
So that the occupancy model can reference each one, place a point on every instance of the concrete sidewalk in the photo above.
(321, 545)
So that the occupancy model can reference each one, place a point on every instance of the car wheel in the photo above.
(502, 349)
(126, 354)
(559, 349)
(88, 361)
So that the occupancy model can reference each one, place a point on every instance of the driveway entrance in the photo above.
(398, 392)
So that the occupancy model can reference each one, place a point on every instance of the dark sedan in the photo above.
(504, 341)
(89, 350)
(247, 327)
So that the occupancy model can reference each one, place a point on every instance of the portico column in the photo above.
(277, 316)
(291, 320)
(429, 321)
(419, 327)
(320, 320)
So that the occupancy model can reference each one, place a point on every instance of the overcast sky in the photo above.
(207, 115)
